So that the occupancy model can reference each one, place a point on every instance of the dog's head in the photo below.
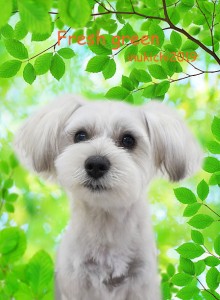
(105, 152)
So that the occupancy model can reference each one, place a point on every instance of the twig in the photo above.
(132, 6)
(206, 289)
(204, 15)
(212, 26)
(207, 251)
(101, 4)
(211, 209)
(110, 5)
(53, 46)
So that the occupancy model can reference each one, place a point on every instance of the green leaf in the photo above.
(118, 93)
(141, 75)
(214, 179)
(42, 63)
(191, 209)
(9, 207)
(181, 279)
(209, 295)
(110, 69)
(11, 197)
(20, 247)
(212, 261)
(10, 68)
(127, 32)
(199, 267)
(187, 265)
(211, 164)
(20, 31)
(74, 13)
(34, 14)
(162, 88)
(57, 68)
(29, 73)
(190, 250)
(212, 278)
(129, 99)
(7, 31)
(8, 183)
(66, 53)
(175, 39)
(6, 10)
(217, 245)
(187, 292)
(40, 273)
(127, 83)
(149, 91)
(24, 292)
(170, 270)
(214, 147)
(173, 15)
(8, 240)
(16, 49)
(194, 30)
(149, 50)
(157, 71)
(131, 50)
(4, 167)
(97, 63)
(201, 221)
(215, 127)
(203, 190)
(166, 290)
(189, 46)
(185, 195)
(157, 32)
(124, 5)
(189, 3)
(197, 237)
(100, 49)
(13, 161)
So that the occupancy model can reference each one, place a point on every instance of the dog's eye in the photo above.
(80, 136)
(128, 141)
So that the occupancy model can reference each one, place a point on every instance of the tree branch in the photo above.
(184, 32)
(128, 13)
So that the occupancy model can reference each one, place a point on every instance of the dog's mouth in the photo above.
(95, 187)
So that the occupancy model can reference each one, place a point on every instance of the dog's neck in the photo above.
(117, 214)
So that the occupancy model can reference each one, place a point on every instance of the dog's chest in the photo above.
(107, 253)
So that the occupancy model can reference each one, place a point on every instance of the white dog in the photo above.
(104, 154)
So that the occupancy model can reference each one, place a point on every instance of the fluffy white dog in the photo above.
(104, 154)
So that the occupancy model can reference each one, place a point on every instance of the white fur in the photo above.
(108, 251)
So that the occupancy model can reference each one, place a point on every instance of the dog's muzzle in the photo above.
(97, 166)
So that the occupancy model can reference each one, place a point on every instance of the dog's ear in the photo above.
(175, 150)
(37, 141)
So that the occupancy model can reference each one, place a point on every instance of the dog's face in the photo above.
(105, 152)
(108, 149)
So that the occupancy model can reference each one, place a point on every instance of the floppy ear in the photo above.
(175, 150)
(37, 143)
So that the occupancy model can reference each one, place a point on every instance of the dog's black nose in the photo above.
(96, 166)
